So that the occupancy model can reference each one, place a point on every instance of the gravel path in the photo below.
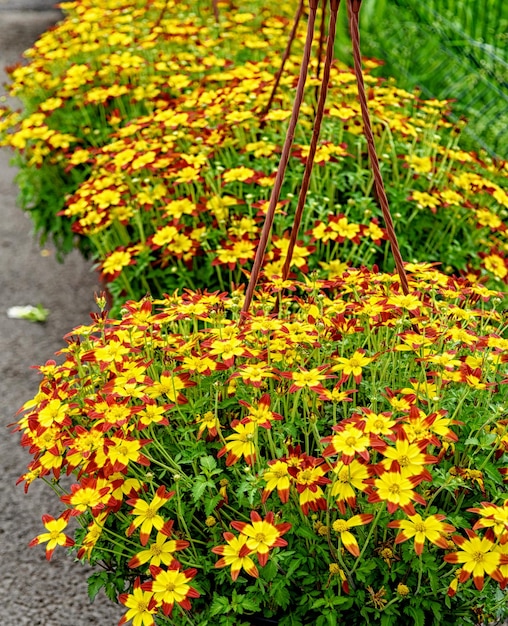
(34, 592)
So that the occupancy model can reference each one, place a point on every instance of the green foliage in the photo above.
(339, 453)
(177, 470)
(163, 174)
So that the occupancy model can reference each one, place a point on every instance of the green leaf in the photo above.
(212, 504)
(417, 614)
(305, 532)
(388, 620)
(219, 606)
(250, 605)
(472, 441)
(208, 462)
(270, 571)
(293, 567)
(95, 583)
(199, 487)
(493, 473)
(280, 593)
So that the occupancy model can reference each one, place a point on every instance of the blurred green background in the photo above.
(450, 49)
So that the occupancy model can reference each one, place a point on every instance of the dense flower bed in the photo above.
(340, 451)
(151, 123)
(347, 454)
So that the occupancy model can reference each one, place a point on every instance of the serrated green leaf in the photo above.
(199, 488)
(95, 583)
(208, 462)
(280, 593)
(293, 567)
(212, 503)
(493, 473)
(417, 614)
(270, 570)
(250, 605)
(111, 591)
(305, 532)
(219, 606)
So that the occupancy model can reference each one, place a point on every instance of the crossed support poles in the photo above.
(353, 8)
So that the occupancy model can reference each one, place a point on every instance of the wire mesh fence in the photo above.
(450, 49)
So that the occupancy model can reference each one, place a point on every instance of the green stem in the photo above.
(371, 531)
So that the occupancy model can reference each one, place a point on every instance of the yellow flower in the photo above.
(54, 535)
(115, 262)
(236, 554)
(478, 557)
(141, 604)
(342, 527)
(237, 174)
(352, 365)
(240, 444)
(432, 528)
(496, 264)
(146, 514)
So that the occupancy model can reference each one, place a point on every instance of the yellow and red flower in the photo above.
(241, 444)
(348, 441)
(348, 477)
(141, 605)
(54, 535)
(309, 477)
(478, 557)
(146, 514)
(161, 550)
(432, 528)
(170, 586)
(169, 386)
(236, 554)
(90, 494)
(277, 476)
(397, 490)
(352, 365)
(495, 517)
(262, 534)
(260, 414)
(343, 526)
(308, 379)
(407, 457)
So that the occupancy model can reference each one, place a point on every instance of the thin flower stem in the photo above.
(321, 38)
(366, 543)
(181, 519)
(420, 575)
(215, 6)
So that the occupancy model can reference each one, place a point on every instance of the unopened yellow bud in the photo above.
(402, 590)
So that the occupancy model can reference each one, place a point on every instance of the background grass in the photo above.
(450, 49)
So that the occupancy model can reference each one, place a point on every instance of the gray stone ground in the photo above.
(34, 592)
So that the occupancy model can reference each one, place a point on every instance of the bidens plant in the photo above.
(315, 451)
(147, 140)
(343, 459)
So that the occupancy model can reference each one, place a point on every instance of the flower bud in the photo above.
(402, 590)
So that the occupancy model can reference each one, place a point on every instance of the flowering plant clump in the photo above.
(166, 154)
(339, 453)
